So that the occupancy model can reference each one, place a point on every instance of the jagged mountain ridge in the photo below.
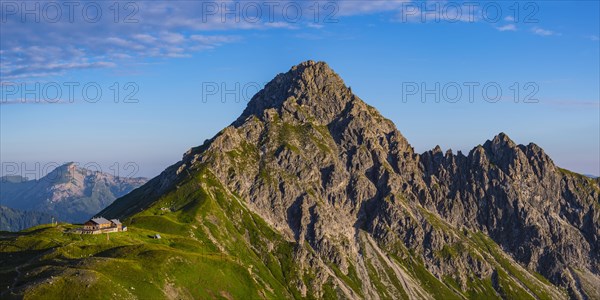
(68, 192)
(342, 169)
(311, 193)
(545, 216)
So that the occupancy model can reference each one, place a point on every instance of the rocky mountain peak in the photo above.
(501, 140)
(309, 88)
(333, 177)
(64, 172)
(70, 192)
(501, 150)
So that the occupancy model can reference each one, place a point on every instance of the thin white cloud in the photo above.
(54, 68)
(436, 12)
(314, 25)
(507, 27)
(361, 7)
(542, 32)
(213, 39)
(593, 37)
(573, 103)
(175, 29)
(145, 38)
(172, 38)
(160, 29)
(281, 25)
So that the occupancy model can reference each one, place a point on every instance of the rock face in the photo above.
(69, 193)
(547, 218)
(374, 219)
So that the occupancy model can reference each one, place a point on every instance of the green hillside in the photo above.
(213, 247)
(16, 220)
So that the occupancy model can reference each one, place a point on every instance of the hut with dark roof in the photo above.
(97, 224)
(101, 225)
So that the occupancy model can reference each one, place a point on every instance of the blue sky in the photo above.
(174, 50)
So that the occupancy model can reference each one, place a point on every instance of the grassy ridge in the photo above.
(213, 258)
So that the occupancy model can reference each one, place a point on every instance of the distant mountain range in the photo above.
(69, 193)
(16, 220)
(312, 193)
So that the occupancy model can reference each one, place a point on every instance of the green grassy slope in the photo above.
(213, 247)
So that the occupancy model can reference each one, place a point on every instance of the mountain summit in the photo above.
(311, 85)
(69, 192)
(321, 166)
(313, 193)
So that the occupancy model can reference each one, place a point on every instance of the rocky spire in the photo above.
(314, 86)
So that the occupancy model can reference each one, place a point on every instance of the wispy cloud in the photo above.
(573, 103)
(171, 29)
(507, 27)
(354, 7)
(435, 12)
(99, 52)
(593, 37)
(543, 32)
(179, 29)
